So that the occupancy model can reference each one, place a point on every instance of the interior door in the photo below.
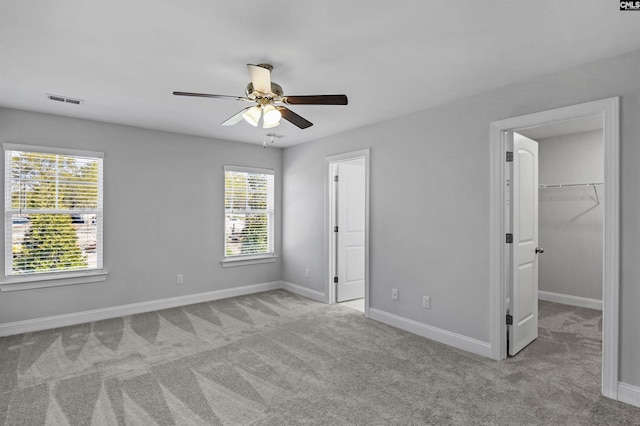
(523, 305)
(351, 226)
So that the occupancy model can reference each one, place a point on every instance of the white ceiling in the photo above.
(125, 58)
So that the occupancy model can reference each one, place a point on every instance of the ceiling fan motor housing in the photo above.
(276, 91)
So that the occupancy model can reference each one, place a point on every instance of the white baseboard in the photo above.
(37, 324)
(439, 335)
(629, 394)
(566, 299)
(305, 292)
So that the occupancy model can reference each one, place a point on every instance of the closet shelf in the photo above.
(569, 185)
(594, 185)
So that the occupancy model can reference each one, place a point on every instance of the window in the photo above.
(249, 213)
(53, 211)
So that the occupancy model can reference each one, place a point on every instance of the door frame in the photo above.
(498, 273)
(330, 240)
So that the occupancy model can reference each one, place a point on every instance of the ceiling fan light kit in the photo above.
(270, 126)
(252, 115)
(269, 101)
(270, 115)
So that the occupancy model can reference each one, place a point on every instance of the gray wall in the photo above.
(163, 214)
(429, 206)
(430, 201)
(571, 221)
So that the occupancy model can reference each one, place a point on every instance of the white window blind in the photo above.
(249, 211)
(53, 210)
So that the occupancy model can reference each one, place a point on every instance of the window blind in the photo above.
(249, 211)
(53, 210)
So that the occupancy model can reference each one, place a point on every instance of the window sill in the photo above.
(42, 281)
(248, 260)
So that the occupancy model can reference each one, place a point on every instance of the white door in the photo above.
(523, 306)
(351, 226)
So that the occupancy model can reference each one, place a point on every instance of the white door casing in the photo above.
(350, 221)
(523, 303)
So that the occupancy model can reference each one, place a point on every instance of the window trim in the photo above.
(249, 259)
(11, 282)
(56, 279)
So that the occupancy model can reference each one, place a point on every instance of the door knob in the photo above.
(539, 250)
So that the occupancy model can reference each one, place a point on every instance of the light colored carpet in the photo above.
(278, 359)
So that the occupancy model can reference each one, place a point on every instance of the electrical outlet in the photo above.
(426, 302)
(307, 273)
(394, 293)
(179, 279)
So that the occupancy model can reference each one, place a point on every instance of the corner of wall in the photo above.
(305, 292)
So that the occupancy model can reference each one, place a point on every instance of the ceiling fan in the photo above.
(269, 101)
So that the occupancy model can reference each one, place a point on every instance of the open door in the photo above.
(350, 230)
(523, 303)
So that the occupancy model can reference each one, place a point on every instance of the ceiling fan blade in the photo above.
(235, 119)
(316, 100)
(294, 118)
(260, 77)
(206, 95)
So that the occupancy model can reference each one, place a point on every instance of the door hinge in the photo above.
(335, 229)
(335, 178)
(335, 280)
(509, 156)
(509, 320)
(509, 238)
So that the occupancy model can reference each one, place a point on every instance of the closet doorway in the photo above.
(555, 187)
(501, 272)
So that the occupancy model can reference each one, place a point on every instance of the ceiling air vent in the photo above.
(65, 99)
